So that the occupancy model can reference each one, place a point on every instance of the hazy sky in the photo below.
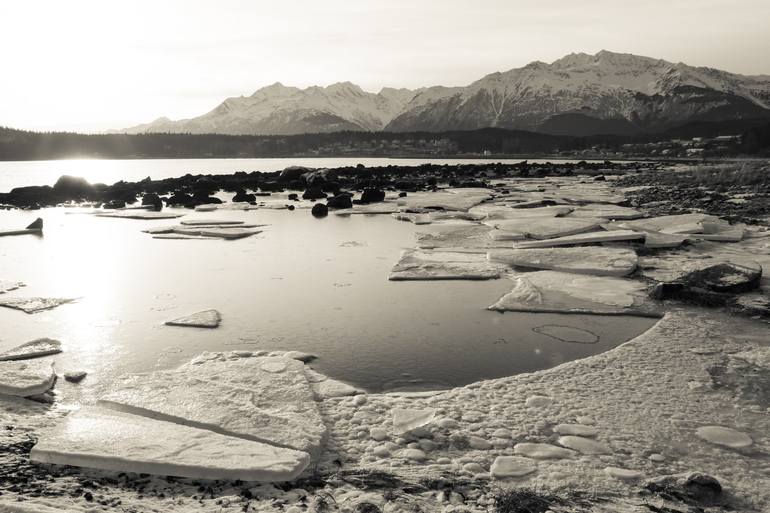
(92, 65)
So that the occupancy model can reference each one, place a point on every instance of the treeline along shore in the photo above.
(751, 138)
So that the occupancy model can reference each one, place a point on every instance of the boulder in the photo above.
(319, 210)
(313, 193)
(243, 197)
(372, 195)
(292, 173)
(73, 188)
(152, 200)
(342, 200)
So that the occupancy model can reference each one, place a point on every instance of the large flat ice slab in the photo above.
(453, 200)
(552, 291)
(204, 319)
(474, 238)
(267, 399)
(25, 378)
(138, 214)
(32, 349)
(33, 304)
(546, 227)
(597, 260)
(584, 238)
(444, 265)
(110, 440)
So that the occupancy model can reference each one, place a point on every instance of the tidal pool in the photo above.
(306, 284)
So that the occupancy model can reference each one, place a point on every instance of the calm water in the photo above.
(45, 172)
(315, 285)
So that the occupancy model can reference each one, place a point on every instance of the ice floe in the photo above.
(138, 214)
(725, 436)
(584, 238)
(210, 222)
(27, 377)
(32, 349)
(405, 420)
(546, 227)
(444, 265)
(204, 319)
(471, 238)
(34, 304)
(575, 429)
(584, 445)
(267, 399)
(512, 466)
(552, 291)
(542, 451)
(597, 260)
(110, 440)
(456, 200)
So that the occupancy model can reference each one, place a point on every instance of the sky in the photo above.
(89, 66)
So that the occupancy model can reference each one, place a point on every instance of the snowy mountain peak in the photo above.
(619, 91)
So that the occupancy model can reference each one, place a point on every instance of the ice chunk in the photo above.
(210, 222)
(584, 238)
(547, 227)
(474, 238)
(607, 211)
(265, 399)
(623, 474)
(7, 286)
(405, 420)
(453, 200)
(34, 304)
(512, 466)
(138, 214)
(575, 429)
(584, 445)
(551, 291)
(32, 349)
(542, 451)
(109, 440)
(204, 319)
(598, 260)
(725, 436)
(444, 265)
(25, 378)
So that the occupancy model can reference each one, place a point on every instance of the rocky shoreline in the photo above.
(674, 420)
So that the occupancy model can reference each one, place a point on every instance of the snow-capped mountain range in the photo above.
(579, 94)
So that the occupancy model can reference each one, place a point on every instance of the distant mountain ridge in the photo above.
(579, 94)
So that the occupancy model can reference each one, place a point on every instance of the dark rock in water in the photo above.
(694, 488)
(292, 173)
(179, 199)
(725, 277)
(402, 195)
(113, 204)
(714, 286)
(313, 193)
(270, 187)
(294, 196)
(73, 188)
(320, 210)
(204, 186)
(153, 200)
(37, 224)
(289, 207)
(262, 194)
(371, 195)
(200, 198)
(31, 196)
(342, 200)
(243, 197)
(75, 377)
(331, 187)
